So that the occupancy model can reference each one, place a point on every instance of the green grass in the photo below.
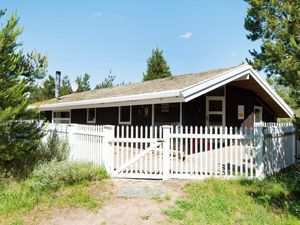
(52, 185)
(275, 200)
(160, 199)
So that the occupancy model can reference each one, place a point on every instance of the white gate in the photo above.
(137, 153)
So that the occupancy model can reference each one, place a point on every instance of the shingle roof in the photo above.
(158, 85)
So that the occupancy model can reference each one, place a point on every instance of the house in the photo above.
(237, 96)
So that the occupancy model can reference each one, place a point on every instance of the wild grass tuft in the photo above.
(59, 183)
(271, 201)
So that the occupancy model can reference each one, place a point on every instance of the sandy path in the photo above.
(123, 210)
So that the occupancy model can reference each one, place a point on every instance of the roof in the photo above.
(158, 85)
(181, 88)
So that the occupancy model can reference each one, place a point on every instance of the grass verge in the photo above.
(275, 200)
(51, 185)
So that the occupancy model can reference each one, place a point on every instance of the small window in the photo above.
(164, 107)
(91, 115)
(258, 114)
(125, 115)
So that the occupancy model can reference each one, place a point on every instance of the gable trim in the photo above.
(237, 73)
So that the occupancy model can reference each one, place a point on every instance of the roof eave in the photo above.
(141, 99)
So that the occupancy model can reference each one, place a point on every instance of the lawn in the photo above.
(275, 200)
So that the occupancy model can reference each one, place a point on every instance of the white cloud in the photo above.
(97, 14)
(118, 17)
(186, 35)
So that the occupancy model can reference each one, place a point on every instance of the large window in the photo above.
(125, 115)
(61, 117)
(91, 115)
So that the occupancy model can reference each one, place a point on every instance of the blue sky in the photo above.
(95, 36)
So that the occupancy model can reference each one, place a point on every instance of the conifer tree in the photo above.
(108, 81)
(276, 24)
(157, 66)
(44, 91)
(17, 74)
(83, 83)
(65, 86)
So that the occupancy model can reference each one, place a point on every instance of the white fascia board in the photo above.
(222, 79)
(141, 99)
(203, 87)
(265, 85)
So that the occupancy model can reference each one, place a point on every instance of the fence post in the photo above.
(71, 142)
(259, 148)
(166, 151)
(107, 148)
(294, 140)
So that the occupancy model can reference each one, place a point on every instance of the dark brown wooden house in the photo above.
(237, 96)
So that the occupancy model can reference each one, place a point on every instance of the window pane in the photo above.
(91, 114)
(61, 114)
(125, 114)
(215, 106)
(215, 120)
(258, 115)
(65, 114)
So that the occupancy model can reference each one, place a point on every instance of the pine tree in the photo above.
(277, 25)
(44, 91)
(157, 66)
(83, 83)
(108, 81)
(65, 86)
(17, 74)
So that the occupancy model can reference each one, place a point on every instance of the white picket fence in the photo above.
(279, 147)
(181, 152)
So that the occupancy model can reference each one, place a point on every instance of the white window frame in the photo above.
(59, 120)
(130, 112)
(261, 113)
(223, 112)
(87, 116)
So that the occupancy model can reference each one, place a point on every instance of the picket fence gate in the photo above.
(181, 152)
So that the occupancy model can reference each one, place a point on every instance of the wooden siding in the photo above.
(107, 116)
(193, 112)
(170, 117)
(238, 96)
(47, 116)
(141, 115)
(79, 116)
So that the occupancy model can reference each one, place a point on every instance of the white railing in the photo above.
(86, 142)
(181, 152)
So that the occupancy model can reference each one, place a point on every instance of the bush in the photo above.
(55, 174)
(53, 148)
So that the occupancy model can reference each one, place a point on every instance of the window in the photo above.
(258, 114)
(91, 115)
(125, 115)
(61, 117)
(164, 107)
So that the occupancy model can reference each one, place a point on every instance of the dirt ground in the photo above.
(118, 210)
